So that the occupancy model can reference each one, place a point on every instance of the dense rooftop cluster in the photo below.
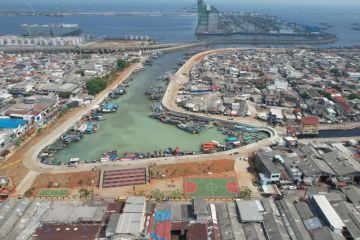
(288, 84)
(36, 86)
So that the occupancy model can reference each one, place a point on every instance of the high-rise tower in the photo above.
(204, 11)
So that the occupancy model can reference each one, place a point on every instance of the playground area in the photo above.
(211, 187)
(53, 193)
(220, 166)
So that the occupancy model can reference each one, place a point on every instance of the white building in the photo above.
(328, 213)
(354, 75)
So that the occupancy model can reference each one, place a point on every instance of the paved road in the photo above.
(182, 77)
(32, 163)
(30, 156)
(26, 182)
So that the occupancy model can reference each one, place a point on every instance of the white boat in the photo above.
(74, 160)
(82, 128)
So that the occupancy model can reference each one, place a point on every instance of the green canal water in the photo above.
(131, 130)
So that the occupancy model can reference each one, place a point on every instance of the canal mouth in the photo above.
(126, 132)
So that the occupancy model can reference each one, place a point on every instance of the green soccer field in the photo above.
(53, 193)
(211, 187)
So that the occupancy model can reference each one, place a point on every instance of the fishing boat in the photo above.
(82, 128)
(108, 107)
(92, 127)
(104, 158)
(232, 139)
(74, 161)
(209, 147)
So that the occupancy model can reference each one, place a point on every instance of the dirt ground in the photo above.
(174, 178)
(188, 169)
(67, 180)
(245, 178)
(141, 190)
(13, 166)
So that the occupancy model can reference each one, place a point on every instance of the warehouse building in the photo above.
(250, 211)
(328, 213)
(129, 224)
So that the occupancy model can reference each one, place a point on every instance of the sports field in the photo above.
(211, 187)
(53, 193)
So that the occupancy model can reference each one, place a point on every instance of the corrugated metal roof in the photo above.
(133, 208)
(312, 223)
(346, 212)
(297, 230)
(272, 228)
(200, 206)
(249, 211)
(304, 210)
(135, 200)
(130, 223)
(331, 215)
(112, 224)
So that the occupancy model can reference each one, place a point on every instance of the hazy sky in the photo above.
(166, 4)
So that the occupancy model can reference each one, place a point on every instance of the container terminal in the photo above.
(212, 21)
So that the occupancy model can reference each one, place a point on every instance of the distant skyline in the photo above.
(117, 5)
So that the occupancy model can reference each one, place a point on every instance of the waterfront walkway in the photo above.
(182, 77)
(29, 153)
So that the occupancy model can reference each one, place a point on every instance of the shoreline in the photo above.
(29, 152)
(339, 126)
(181, 77)
(31, 161)
(167, 46)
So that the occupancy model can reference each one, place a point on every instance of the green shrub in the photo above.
(96, 85)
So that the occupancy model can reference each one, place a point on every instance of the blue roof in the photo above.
(11, 122)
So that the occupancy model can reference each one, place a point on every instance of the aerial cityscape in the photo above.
(190, 120)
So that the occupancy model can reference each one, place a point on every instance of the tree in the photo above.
(336, 72)
(327, 95)
(122, 64)
(245, 193)
(96, 85)
(81, 72)
(354, 96)
(157, 194)
(65, 95)
(176, 194)
(305, 95)
(86, 193)
(29, 192)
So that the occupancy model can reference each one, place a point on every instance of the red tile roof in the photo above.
(345, 107)
(339, 99)
(330, 90)
(310, 120)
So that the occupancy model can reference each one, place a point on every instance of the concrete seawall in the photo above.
(347, 126)
(165, 46)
